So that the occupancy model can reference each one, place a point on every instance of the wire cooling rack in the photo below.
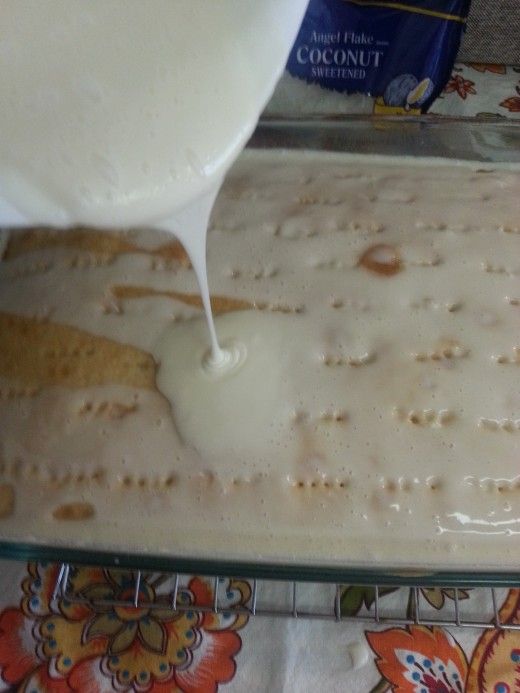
(411, 605)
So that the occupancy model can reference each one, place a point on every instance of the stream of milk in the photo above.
(121, 113)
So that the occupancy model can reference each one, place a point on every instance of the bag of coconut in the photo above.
(399, 52)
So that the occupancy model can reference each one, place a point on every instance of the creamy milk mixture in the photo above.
(127, 112)
(376, 419)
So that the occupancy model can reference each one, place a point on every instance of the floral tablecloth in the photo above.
(48, 646)
(478, 89)
(57, 645)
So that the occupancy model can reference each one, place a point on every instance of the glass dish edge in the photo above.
(489, 140)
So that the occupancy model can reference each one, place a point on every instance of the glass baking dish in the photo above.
(482, 140)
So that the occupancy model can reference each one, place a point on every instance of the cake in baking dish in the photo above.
(375, 419)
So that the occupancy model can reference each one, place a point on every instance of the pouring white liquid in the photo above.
(124, 113)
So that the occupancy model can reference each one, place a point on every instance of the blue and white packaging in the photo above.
(401, 52)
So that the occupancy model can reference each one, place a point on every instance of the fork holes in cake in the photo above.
(381, 259)
(434, 484)
(170, 481)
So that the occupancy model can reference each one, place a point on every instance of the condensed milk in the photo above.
(129, 113)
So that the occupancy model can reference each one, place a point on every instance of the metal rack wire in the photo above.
(296, 600)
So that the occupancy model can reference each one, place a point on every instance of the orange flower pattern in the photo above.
(495, 665)
(488, 67)
(93, 648)
(480, 90)
(513, 102)
(418, 659)
(462, 86)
